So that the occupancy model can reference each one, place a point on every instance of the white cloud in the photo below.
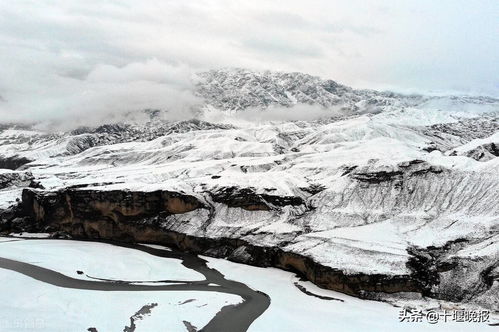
(275, 114)
(151, 70)
(73, 56)
(109, 90)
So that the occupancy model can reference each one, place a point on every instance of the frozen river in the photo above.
(61, 285)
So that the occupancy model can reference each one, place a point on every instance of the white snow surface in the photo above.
(293, 311)
(349, 223)
(31, 305)
(117, 263)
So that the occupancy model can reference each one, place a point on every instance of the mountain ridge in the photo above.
(365, 193)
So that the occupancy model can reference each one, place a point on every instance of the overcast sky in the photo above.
(73, 56)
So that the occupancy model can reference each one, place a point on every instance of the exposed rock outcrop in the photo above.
(445, 274)
(9, 179)
(484, 152)
(145, 217)
(13, 162)
(123, 216)
(248, 199)
(381, 174)
(77, 205)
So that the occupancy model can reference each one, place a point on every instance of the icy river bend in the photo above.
(65, 285)
(235, 318)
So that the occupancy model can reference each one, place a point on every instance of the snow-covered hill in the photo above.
(382, 184)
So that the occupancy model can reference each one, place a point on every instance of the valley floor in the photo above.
(31, 305)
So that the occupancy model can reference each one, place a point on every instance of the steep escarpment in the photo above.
(76, 205)
(450, 273)
(141, 217)
(176, 219)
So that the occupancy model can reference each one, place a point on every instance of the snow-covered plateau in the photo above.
(374, 194)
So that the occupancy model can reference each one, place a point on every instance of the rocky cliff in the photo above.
(143, 217)
(165, 217)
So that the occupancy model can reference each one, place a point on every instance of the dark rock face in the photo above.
(377, 177)
(493, 148)
(13, 219)
(5, 224)
(484, 152)
(73, 206)
(35, 184)
(14, 179)
(435, 269)
(13, 163)
(313, 189)
(423, 265)
(248, 199)
(143, 217)
(398, 173)
(123, 216)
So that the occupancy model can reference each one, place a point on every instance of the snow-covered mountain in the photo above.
(239, 89)
(400, 190)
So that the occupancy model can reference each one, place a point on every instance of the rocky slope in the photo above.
(393, 194)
